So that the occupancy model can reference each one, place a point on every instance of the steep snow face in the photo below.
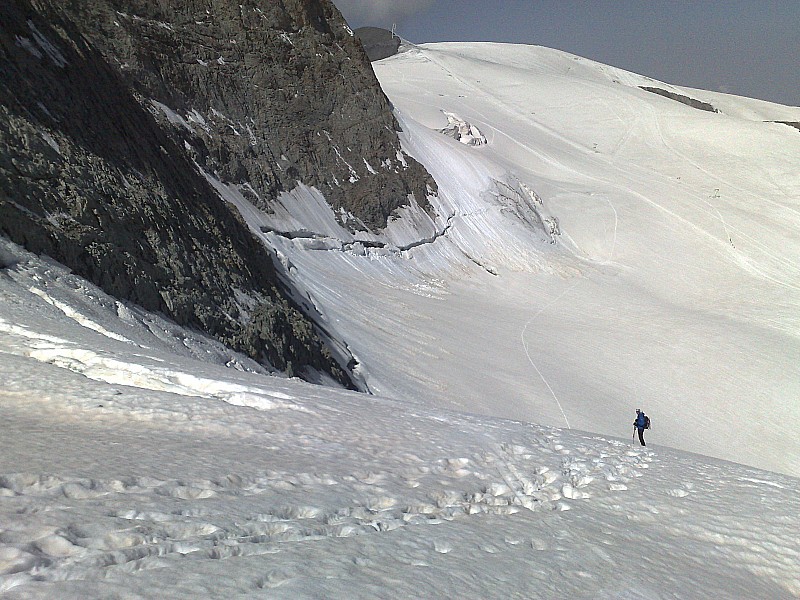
(607, 248)
(139, 459)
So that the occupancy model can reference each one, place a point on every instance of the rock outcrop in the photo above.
(694, 103)
(113, 115)
(268, 93)
(378, 43)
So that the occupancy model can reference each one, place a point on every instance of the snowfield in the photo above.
(592, 248)
(608, 248)
(140, 460)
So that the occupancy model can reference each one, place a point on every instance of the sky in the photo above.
(741, 47)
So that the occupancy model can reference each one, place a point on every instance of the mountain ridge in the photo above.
(115, 113)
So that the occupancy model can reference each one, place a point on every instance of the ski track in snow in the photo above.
(79, 529)
(667, 249)
(92, 531)
(744, 261)
(127, 467)
(528, 354)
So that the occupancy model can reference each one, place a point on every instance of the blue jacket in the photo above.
(641, 421)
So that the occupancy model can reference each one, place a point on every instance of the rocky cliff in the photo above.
(115, 115)
(378, 43)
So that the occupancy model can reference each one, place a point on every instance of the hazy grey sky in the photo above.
(745, 47)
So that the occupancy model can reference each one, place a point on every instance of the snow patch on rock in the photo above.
(459, 129)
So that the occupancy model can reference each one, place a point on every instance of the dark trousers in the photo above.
(641, 435)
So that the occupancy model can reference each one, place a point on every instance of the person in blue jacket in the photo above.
(641, 423)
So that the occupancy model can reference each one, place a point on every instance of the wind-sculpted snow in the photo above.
(141, 529)
(352, 497)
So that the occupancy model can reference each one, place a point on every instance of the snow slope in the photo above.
(605, 248)
(673, 279)
(140, 460)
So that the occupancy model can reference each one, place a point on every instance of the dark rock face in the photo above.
(378, 43)
(698, 104)
(269, 92)
(109, 110)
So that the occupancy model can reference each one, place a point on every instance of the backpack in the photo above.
(646, 422)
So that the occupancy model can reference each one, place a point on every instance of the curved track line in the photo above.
(616, 224)
(525, 347)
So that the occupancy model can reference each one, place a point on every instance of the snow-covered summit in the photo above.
(682, 224)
